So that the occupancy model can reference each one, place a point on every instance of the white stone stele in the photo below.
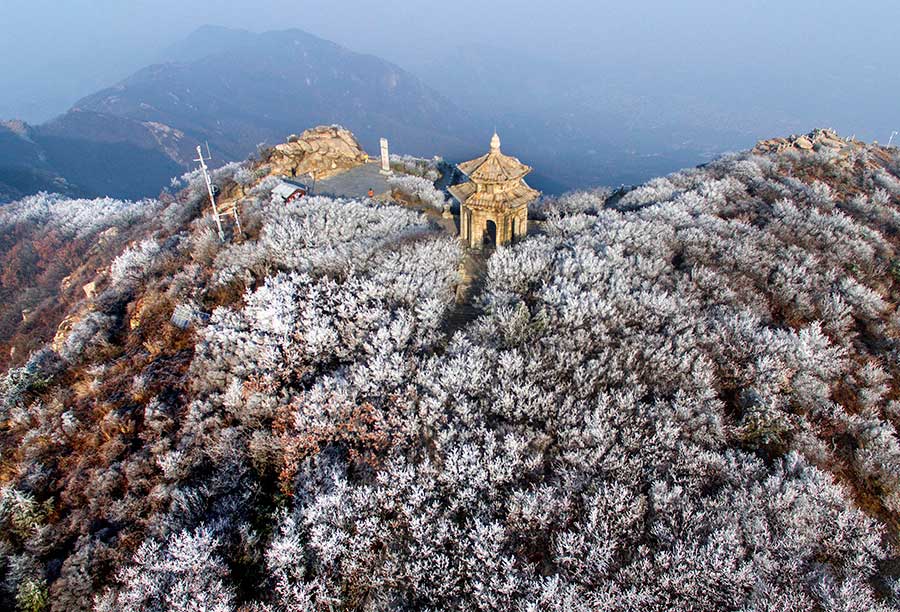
(385, 157)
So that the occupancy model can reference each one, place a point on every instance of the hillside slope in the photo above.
(682, 397)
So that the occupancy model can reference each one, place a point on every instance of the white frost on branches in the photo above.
(421, 189)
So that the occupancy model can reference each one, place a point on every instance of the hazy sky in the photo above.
(837, 55)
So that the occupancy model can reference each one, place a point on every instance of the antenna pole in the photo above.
(894, 133)
(237, 220)
(209, 188)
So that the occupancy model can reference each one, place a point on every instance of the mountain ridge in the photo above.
(247, 90)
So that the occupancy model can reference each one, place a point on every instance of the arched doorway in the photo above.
(490, 234)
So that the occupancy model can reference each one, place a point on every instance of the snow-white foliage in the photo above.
(681, 399)
(134, 264)
(574, 202)
(416, 166)
(387, 302)
(660, 189)
(420, 188)
(588, 442)
(75, 218)
(184, 575)
(194, 181)
(319, 233)
(91, 330)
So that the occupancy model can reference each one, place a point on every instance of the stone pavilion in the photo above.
(493, 203)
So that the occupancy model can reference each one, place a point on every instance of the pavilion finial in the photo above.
(495, 142)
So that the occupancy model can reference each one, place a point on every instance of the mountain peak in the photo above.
(204, 41)
(236, 89)
(211, 40)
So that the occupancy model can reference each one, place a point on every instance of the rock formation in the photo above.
(806, 142)
(324, 150)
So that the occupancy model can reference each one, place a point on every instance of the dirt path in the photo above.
(473, 273)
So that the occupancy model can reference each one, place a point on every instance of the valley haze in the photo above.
(597, 93)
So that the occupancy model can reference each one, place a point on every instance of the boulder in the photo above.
(807, 142)
(63, 331)
(803, 143)
(90, 290)
(323, 151)
(771, 146)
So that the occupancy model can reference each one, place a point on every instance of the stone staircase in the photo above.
(473, 271)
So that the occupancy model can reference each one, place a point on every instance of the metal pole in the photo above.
(209, 188)
(237, 220)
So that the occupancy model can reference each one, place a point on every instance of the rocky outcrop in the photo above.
(19, 128)
(65, 328)
(324, 150)
(806, 142)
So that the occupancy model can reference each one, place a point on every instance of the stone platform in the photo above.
(353, 183)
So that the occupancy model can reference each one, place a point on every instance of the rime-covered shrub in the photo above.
(631, 424)
(195, 184)
(656, 190)
(134, 264)
(75, 218)
(429, 169)
(91, 330)
(588, 202)
(184, 575)
(421, 189)
(682, 397)
(319, 233)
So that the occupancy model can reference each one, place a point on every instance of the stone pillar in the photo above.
(385, 157)
(476, 239)
(463, 229)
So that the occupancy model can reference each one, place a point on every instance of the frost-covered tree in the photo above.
(679, 397)
(184, 575)
(421, 189)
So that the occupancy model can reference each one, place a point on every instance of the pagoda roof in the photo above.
(462, 192)
(494, 167)
(516, 197)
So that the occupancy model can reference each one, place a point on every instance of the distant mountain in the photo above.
(235, 90)
(23, 164)
(252, 88)
(84, 154)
